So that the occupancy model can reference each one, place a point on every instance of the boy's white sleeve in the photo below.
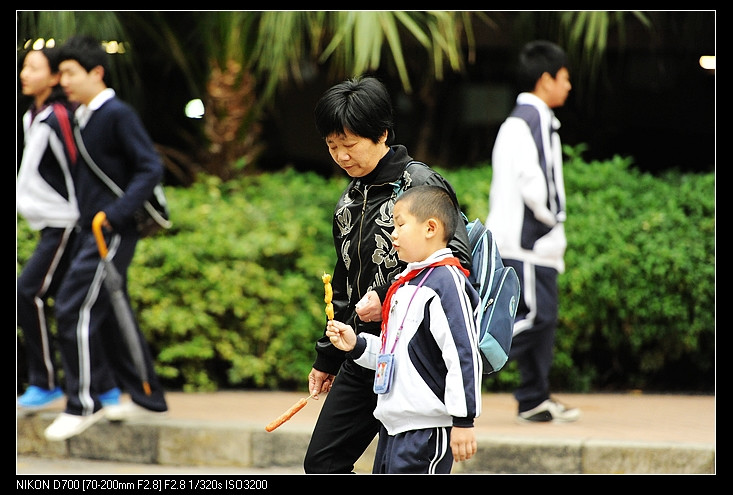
(370, 346)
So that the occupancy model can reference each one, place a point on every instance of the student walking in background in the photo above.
(527, 215)
(45, 197)
(427, 362)
(116, 140)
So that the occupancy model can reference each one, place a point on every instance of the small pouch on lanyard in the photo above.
(383, 375)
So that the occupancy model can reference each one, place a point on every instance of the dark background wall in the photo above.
(651, 100)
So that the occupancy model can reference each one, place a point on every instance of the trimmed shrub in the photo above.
(232, 297)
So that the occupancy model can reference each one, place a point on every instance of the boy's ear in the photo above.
(98, 71)
(545, 79)
(543, 87)
(431, 228)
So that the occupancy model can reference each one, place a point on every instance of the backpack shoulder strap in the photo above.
(63, 118)
(420, 173)
(107, 180)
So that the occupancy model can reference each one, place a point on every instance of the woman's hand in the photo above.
(319, 382)
(369, 308)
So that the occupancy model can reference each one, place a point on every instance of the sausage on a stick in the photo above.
(326, 278)
(287, 414)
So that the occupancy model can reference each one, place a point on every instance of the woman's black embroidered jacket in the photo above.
(365, 260)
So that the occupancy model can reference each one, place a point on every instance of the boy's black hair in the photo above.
(428, 201)
(87, 51)
(536, 58)
(360, 105)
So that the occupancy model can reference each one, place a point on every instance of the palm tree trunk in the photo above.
(230, 122)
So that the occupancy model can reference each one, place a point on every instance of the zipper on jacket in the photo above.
(361, 231)
(365, 194)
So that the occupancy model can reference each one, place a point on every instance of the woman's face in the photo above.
(356, 155)
(36, 78)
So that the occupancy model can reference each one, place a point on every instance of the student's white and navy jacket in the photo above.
(44, 187)
(437, 375)
(527, 196)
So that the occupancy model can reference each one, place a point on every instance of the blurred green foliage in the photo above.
(637, 299)
(232, 297)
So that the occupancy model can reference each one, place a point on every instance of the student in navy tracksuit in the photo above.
(428, 401)
(46, 199)
(87, 327)
(527, 215)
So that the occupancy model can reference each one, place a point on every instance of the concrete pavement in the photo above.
(630, 433)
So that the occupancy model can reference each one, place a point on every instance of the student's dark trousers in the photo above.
(38, 281)
(92, 344)
(533, 348)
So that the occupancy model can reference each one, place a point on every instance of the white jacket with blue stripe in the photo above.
(437, 375)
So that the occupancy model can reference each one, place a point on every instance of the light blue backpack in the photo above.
(498, 288)
(497, 285)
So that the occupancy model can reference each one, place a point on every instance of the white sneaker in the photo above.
(129, 410)
(67, 425)
(550, 410)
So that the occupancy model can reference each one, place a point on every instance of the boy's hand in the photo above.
(342, 335)
(463, 443)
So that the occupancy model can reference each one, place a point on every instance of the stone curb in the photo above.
(171, 442)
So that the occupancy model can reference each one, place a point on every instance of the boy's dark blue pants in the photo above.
(93, 349)
(39, 281)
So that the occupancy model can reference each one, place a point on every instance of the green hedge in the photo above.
(231, 296)
(637, 299)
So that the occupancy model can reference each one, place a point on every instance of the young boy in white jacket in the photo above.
(428, 377)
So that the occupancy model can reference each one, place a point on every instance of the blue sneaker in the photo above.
(38, 398)
(111, 397)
